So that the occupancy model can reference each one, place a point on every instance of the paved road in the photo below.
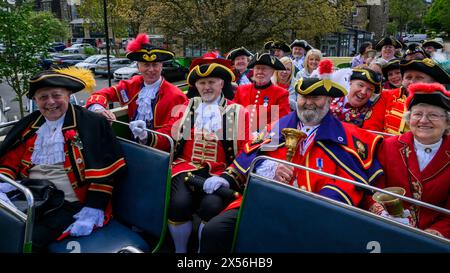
(7, 94)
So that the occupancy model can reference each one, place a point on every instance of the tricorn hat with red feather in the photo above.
(323, 85)
(141, 50)
(429, 93)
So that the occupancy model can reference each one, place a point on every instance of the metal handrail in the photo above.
(9, 123)
(29, 217)
(171, 142)
(368, 187)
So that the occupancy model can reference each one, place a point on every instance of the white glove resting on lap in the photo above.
(87, 218)
(213, 183)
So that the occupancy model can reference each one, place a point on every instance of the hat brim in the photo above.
(208, 71)
(428, 67)
(387, 41)
(150, 56)
(52, 79)
(395, 64)
(238, 52)
(436, 99)
(367, 76)
(318, 87)
(307, 47)
(434, 44)
(266, 59)
(200, 61)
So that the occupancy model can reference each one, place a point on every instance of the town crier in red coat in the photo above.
(264, 101)
(71, 147)
(422, 159)
(209, 132)
(329, 145)
(149, 96)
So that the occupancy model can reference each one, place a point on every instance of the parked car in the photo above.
(57, 47)
(3, 118)
(173, 71)
(79, 48)
(414, 38)
(67, 60)
(126, 72)
(91, 62)
(115, 63)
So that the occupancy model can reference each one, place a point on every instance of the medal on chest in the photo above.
(266, 101)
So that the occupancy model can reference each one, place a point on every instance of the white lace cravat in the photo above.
(49, 144)
(425, 153)
(208, 117)
(146, 96)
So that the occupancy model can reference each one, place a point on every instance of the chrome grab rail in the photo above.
(171, 143)
(368, 187)
(27, 218)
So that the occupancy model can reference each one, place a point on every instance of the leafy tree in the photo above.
(403, 12)
(57, 29)
(391, 28)
(118, 16)
(438, 16)
(26, 36)
(227, 24)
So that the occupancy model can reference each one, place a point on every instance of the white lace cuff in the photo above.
(95, 107)
(267, 168)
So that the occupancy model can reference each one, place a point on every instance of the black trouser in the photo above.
(49, 227)
(185, 201)
(217, 235)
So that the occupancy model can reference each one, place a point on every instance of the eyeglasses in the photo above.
(430, 116)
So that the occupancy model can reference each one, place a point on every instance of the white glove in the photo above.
(5, 198)
(403, 220)
(137, 128)
(6, 187)
(213, 183)
(87, 219)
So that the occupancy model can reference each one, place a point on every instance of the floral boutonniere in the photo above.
(72, 137)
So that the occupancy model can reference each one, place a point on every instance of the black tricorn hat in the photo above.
(241, 51)
(266, 59)
(210, 70)
(391, 65)
(71, 78)
(368, 75)
(140, 50)
(268, 45)
(427, 66)
(301, 43)
(281, 45)
(319, 87)
(415, 48)
(388, 41)
(429, 93)
(433, 43)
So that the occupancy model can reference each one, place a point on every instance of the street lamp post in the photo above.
(105, 18)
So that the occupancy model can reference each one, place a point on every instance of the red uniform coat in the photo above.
(92, 157)
(388, 112)
(127, 91)
(338, 148)
(193, 155)
(259, 103)
(431, 185)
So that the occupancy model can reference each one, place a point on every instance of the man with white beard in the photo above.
(330, 146)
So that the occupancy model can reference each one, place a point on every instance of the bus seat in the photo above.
(277, 218)
(139, 204)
